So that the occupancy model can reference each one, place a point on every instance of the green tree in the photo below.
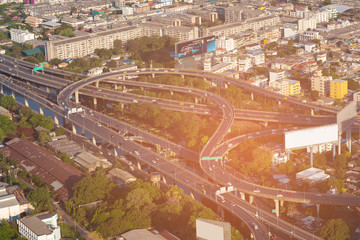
(6, 232)
(92, 188)
(335, 229)
(43, 137)
(55, 61)
(262, 159)
(40, 199)
(8, 102)
(112, 64)
(7, 125)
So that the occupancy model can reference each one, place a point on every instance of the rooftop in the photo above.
(35, 224)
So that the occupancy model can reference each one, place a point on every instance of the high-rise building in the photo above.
(21, 36)
(338, 88)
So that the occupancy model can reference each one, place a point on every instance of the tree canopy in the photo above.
(335, 229)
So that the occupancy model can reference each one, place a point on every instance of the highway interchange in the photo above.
(211, 149)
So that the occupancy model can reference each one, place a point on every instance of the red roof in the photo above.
(45, 165)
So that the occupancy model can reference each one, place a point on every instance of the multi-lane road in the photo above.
(211, 148)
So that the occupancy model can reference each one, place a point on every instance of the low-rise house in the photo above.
(95, 71)
(90, 161)
(120, 177)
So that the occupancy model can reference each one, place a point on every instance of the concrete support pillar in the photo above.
(279, 102)
(171, 93)
(41, 111)
(26, 102)
(222, 213)
(97, 84)
(56, 118)
(334, 151)
(138, 165)
(251, 199)
(317, 209)
(74, 129)
(77, 96)
(192, 195)
(277, 208)
(83, 131)
(252, 96)
(95, 101)
(288, 155)
(348, 139)
(164, 179)
(312, 112)
(47, 89)
(281, 203)
(196, 100)
(13, 94)
(339, 144)
(115, 86)
(182, 75)
(242, 195)
(153, 75)
(1, 89)
(115, 152)
(311, 156)
(93, 140)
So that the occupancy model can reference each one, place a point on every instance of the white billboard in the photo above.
(346, 117)
(212, 230)
(311, 136)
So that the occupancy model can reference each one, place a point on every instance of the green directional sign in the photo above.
(210, 158)
(38, 68)
(273, 211)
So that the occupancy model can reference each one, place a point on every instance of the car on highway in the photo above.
(255, 226)
(279, 195)
(318, 195)
(136, 153)
(229, 183)
(210, 169)
(99, 124)
(154, 161)
(230, 145)
(132, 168)
(256, 190)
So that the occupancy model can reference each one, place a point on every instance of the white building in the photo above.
(259, 81)
(276, 75)
(306, 23)
(258, 57)
(312, 175)
(42, 226)
(126, 11)
(308, 36)
(95, 71)
(244, 63)
(9, 206)
(280, 86)
(226, 43)
(21, 36)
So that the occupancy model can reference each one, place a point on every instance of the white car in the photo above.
(256, 190)
(136, 153)
(279, 195)
(132, 168)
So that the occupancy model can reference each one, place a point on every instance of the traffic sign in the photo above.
(210, 158)
(273, 211)
(38, 68)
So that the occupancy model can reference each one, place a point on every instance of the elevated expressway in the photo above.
(219, 133)
(16, 70)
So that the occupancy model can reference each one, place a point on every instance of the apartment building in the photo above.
(188, 20)
(276, 75)
(338, 88)
(309, 36)
(280, 86)
(235, 28)
(83, 45)
(294, 87)
(21, 36)
(229, 14)
(226, 43)
(320, 83)
(306, 23)
(206, 16)
(175, 22)
(244, 63)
